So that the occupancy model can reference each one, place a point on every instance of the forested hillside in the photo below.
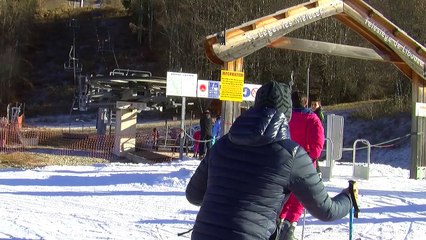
(159, 35)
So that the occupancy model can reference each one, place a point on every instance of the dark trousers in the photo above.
(205, 145)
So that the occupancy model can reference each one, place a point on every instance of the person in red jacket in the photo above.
(305, 129)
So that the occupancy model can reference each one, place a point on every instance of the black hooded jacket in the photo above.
(206, 126)
(244, 179)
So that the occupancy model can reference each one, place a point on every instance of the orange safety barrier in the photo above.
(72, 142)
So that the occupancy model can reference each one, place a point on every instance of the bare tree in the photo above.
(15, 25)
(186, 23)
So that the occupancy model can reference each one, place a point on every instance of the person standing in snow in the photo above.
(248, 174)
(216, 129)
(317, 108)
(206, 133)
(197, 136)
(155, 136)
(306, 130)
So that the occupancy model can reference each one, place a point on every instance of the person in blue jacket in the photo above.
(216, 129)
(245, 178)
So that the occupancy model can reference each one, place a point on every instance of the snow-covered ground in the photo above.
(140, 201)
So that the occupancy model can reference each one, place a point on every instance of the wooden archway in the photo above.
(391, 44)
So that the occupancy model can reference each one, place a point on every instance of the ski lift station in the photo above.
(129, 92)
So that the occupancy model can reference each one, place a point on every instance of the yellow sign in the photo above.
(231, 86)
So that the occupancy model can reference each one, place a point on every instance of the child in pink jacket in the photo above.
(197, 136)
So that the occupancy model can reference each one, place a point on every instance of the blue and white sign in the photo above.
(246, 92)
(214, 89)
(249, 91)
(208, 89)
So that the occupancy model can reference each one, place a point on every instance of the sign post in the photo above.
(418, 126)
(182, 127)
(182, 85)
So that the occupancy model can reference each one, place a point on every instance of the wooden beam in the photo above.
(365, 33)
(393, 42)
(376, 26)
(249, 37)
(332, 49)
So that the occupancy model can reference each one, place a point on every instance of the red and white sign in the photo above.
(208, 89)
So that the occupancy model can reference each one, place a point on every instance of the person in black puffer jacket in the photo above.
(206, 124)
(244, 179)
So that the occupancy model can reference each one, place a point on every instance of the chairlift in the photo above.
(73, 64)
(70, 66)
(129, 72)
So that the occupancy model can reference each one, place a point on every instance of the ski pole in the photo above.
(183, 233)
(304, 220)
(351, 222)
(279, 228)
(353, 190)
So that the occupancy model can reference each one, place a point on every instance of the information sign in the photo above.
(231, 86)
(181, 84)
